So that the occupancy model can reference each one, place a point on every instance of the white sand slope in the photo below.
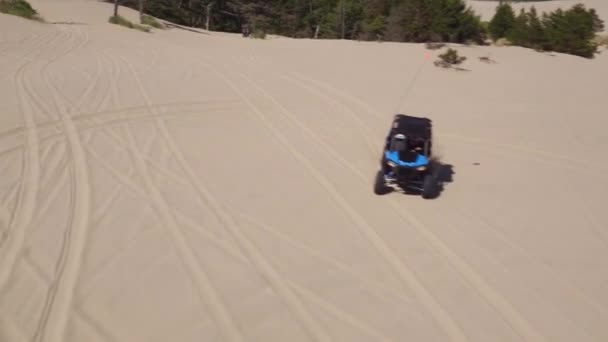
(176, 186)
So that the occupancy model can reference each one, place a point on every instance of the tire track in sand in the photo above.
(303, 292)
(572, 289)
(91, 116)
(30, 170)
(208, 294)
(96, 125)
(309, 322)
(407, 276)
(540, 155)
(30, 175)
(54, 321)
(515, 320)
(34, 43)
(377, 288)
(498, 302)
(94, 116)
(364, 128)
(40, 101)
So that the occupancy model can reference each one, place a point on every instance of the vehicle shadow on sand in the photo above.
(444, 174)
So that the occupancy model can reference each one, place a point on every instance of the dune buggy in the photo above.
(406, 162)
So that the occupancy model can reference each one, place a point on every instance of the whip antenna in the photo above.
(412, 81)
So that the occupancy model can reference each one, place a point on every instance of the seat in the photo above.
(408, 156)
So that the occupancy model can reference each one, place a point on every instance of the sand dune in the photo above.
(205, 187)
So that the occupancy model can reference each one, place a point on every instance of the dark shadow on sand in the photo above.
(444, 173)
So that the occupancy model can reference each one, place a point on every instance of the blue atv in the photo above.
(406, 159)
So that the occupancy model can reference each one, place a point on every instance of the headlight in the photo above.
(421, 168)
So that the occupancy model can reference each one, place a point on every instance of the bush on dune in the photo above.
(19, 8)
(259, 34)
(572, 31)
(118, 20)
(151, 21)
(449, 58)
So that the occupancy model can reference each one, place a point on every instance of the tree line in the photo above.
(391, 20)
(388, 20)
(569, 31)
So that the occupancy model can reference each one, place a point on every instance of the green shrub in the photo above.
(19, 8)
(259, 34)
(374, 29)
(142, 28)
(572, 31)
(422, 21)
(450, 58)
(118, 20)
(485, 25)
(151, 21)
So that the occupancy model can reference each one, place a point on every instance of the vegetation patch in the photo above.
(434, 46)
(450, 59)
(259, 34)
(151, 21)
(571, 31)
(19, 8)
(118, 20)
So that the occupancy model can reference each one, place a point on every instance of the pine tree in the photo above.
(433, 20)
(463, 24)
(537, 36)
(572, 31)
(519, 33)
(502, 22)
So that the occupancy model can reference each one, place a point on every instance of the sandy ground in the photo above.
(177, 186)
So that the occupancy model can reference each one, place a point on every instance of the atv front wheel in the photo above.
(380, 187)
(429, 187)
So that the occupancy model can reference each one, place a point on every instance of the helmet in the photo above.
(399, 143)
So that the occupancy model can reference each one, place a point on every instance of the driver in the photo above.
(400, 143)
(403, 144)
